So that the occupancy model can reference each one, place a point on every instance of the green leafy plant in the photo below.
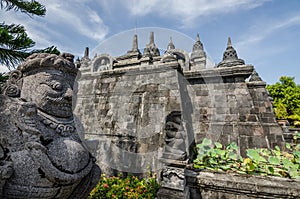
(129, 187)
(213, 156)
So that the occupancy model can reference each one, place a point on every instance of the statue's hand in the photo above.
(36, 146)
(27, 118)
(6, 169)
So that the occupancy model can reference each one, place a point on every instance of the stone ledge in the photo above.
(239, 70)
(242, 185)
(133, 70)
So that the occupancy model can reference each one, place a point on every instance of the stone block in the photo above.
(218, 117)
(231, 118)
(224, 139)
(275, 130)
(204, 102)
(202, 92)
(245, 129)
(204, 127)
(252, 118)
(224, 110)
(242, 118)
(228, 129)
(257, 142)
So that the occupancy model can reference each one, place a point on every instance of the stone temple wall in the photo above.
(230, 109)
(124, 111)
(123, 103)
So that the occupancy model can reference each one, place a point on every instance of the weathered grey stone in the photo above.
(230, 57)
(136, 95)
(198, 56)
(43, 155)
(175, 148)
(233, 186)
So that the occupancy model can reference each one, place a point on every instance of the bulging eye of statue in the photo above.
(57, 86)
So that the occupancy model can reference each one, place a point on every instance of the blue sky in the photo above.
(265, 33)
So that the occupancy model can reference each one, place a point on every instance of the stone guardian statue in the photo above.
(41, 154)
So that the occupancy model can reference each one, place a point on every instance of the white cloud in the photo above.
(76, 15)
(68, 25)
(188, 11)
(62, 18)
(266, 28)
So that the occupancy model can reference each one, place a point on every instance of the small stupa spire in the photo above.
(151, 48)
(171, 45)
(198, 45)
(135, 43)
(229, 42)
(198, 56)
(151, 38)
(255, 77)
(86, 52)
(230, 57)
(134, 52)
(197, 38)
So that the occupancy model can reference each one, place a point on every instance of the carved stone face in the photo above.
(51, 91)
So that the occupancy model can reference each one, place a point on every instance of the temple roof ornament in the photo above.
(151, 47)
(230, 57)
(86, 52)
(134, 52)
(169, 55)
(198, 56)
(255, 77)
(135, 48)
(171, 45)
(198, 45)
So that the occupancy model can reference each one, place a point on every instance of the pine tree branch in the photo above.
(28, 7)
(11, 58)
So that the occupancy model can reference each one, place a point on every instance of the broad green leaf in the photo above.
(225, 167)
(220, 152)
(212, 161)
(206, 142)
(265, 152)
(232, 156)
(274, 160)
(232, 146)
(255, 156)
(218, 145)
(296, 154)
(287, 163)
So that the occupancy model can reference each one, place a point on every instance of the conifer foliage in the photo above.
(15, 44)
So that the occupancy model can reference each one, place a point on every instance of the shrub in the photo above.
(129, 187)
(260, 161)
